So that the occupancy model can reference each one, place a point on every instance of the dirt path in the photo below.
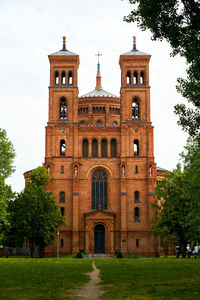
(90, 290)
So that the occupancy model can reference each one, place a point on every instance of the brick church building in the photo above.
(100, 155)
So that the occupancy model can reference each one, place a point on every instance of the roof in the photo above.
(99, 93)
(161, 169)
(63, 53)
(136, 52)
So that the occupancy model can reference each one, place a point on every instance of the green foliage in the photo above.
(118, 253)
(7, 155)
(177, 218)
(80, 254)
(178, 23)
(34, 214)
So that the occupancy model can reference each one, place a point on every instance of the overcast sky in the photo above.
(30, 30)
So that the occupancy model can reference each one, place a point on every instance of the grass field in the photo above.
(47, 278)
(150, 278)
(127, 278)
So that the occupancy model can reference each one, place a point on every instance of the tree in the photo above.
(177, 21)
(177, 217)
(7, 155)
(34, 214)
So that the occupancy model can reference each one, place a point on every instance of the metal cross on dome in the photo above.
(98, 54)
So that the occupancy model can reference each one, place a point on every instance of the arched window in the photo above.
(135, 108)
(137, 197)
(70, 79)
(94, 148)
(85, 148)
(63, 77)
(142, 77)
(99, 190)
(113, 148)
(48, 169)
(63, 108)
(62, 147)
(114, 123)
(137, 214)
(128, 77)
(62, 210)
(104, 148)
(56, 77)
(62, 169)
(62, 197)
(136, 147)
(135, 77)
(99, 123)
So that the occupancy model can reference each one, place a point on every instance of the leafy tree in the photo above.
(34, 214)
(177, 216)
(7, 155)
(177, 21)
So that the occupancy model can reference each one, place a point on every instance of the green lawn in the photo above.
(47, 278)
(150, 278)
(127, 278)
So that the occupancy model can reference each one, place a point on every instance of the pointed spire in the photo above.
(98, 77)
(64, 44)
(134, 43)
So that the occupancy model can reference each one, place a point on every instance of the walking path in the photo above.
(90, 290)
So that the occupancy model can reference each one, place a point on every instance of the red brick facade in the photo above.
(107, 127)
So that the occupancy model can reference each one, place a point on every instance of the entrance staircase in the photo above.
(101, 255)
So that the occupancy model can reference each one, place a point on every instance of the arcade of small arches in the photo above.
(137, 77)
(99, 110)
(62, 79)
(99, 148)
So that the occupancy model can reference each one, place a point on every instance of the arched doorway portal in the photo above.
(99, 239)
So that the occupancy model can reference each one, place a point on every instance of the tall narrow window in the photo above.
(62, 170)
(61, 243)
(62, 147)
(94, 148)
(136, 147)
(62, 210)
(137, 243)
(99, 190)
(128, 77)
(63, 77)
(113, 148)
(135, 109)
(137, 197)
(56, 77)
(85, 148)
(136, 169)
(70, 80)
(137, 214)
(135, 77)
(104, 148)
(142, 77)
(62, 197)
(63, 108)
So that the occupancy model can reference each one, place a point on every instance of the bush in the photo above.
(79, 254)
(118, 253)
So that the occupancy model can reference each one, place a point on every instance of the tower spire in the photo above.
(98, 77)
(64, 43)
(134, 43)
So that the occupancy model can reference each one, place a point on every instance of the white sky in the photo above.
(30, 30)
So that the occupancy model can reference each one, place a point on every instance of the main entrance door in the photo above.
(99, 239)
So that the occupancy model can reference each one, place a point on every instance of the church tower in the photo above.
(137, 153)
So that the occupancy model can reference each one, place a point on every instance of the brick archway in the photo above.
(99, 217)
